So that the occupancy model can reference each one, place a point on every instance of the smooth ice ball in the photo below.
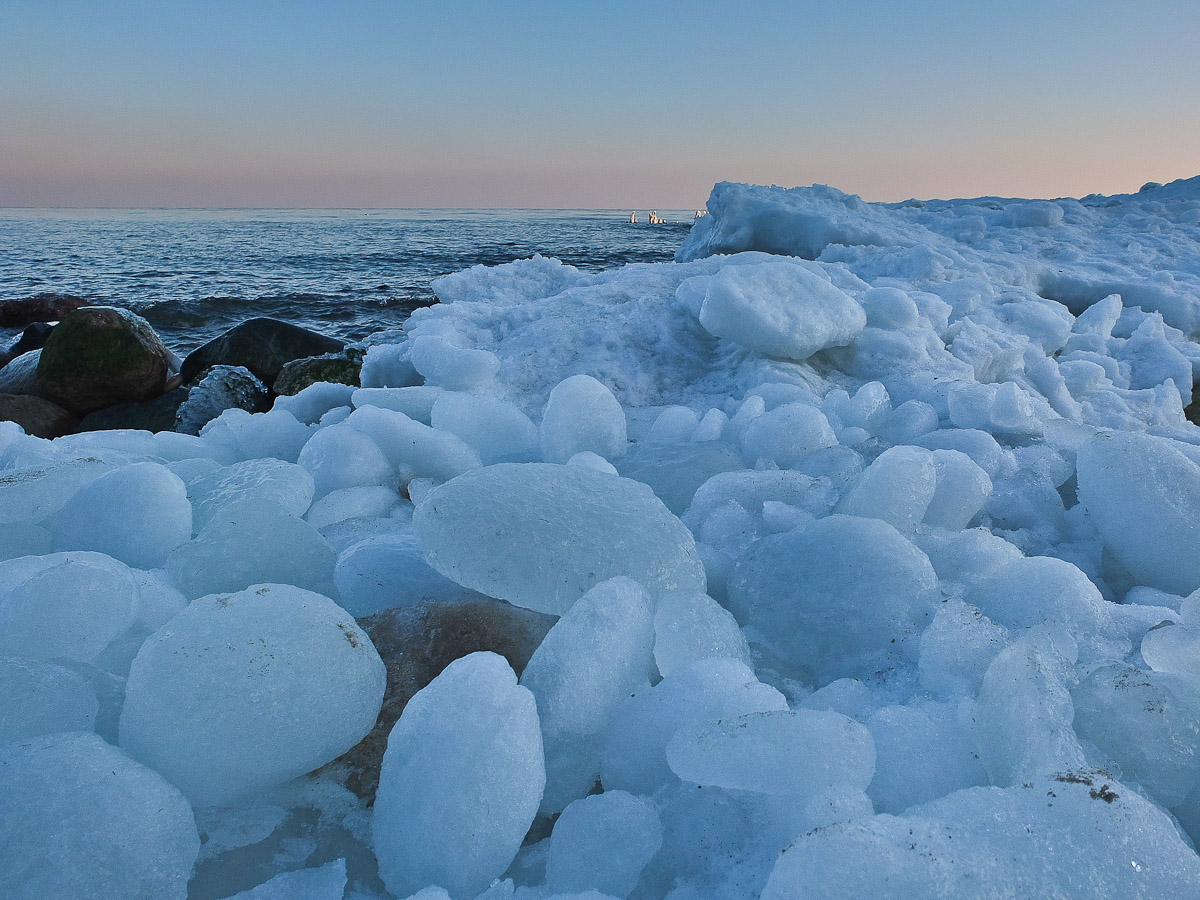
(1144, 497)
(594, 657)
(137, 514)
(412, 448)
(65, 605)
(341, 456)
(962, 489)
(780, 309)
(690, 626)
(602, 843)
(461, 780)
(836, 596)
(39, 697)
(443, 364)
(496, 429)
(252, 541)
(81, 820)
(791, 752)
(890, 308)
(582, 414)
(242, 692)
(786, 435)
(540, 535)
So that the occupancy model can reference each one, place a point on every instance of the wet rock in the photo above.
(38, 417)
(41, 308)
(151, 415)
(337, 368)
(32, 338)
(416, 643)
(101, 355)
(216, 390)
(261, 345)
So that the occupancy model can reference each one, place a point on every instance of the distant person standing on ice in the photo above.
(633, 218)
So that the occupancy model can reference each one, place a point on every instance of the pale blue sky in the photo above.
(566, 104)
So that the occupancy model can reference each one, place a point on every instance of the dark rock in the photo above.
(151, 415)
(42, 308)
(38, 417)
(100, 355)
(416, 643)
(338, 368)
(261, 345)
(32, 338)
(216, 390)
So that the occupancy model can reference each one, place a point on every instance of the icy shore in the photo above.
(873, 531)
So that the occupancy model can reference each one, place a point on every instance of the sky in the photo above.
(567, 104)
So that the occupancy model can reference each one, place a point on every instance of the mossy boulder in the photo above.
(336, 368)
(100, 355)
(262, 345)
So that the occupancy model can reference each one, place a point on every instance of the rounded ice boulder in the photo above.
(837, 596)
(1143, 496)
(242, 692)
(461, 781)
(780, 309)
(541, 535)
(80, 819)
(137, 514)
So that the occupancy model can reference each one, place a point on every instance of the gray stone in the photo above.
(261, 345)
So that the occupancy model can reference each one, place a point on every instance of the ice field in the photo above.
(872, 531)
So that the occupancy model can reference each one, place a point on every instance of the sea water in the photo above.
(192, 273)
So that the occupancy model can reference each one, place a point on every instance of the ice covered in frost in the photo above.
(780, 309)
(594, 657)
(82, 821)
(461, 781)
(541, 535)
(241, 692)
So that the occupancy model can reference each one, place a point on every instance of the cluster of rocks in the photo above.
(102, 367)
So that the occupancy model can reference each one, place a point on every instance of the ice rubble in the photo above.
(872, 529)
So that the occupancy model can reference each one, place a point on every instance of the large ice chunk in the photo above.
(82, 821)
(287, 484)
(541, 535)
(780, 309)
(38, 697)
(634, 755)
(496, 429)
(253, 541)
(137, 514)
(690, 626)
(414, 449)
(787, 434)
(794, 752)
(602, 843)
(387, 571)
(595, 656)
(896, 488)
(65, 605)
(444, 365)
(836, 596)
(340, 456)
(1144, 497)
(31, 494)
(461, 780)
(582, 414)
(242, 692)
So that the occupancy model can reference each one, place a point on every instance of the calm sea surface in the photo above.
(194, 273)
